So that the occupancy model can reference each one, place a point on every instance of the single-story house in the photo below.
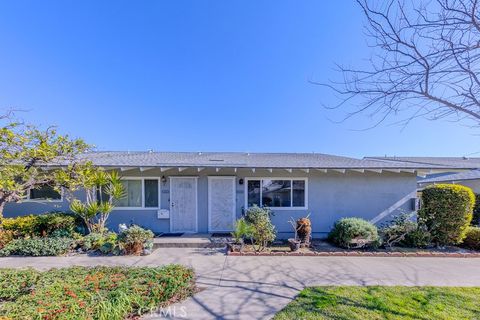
(469, 177)
(205, 192)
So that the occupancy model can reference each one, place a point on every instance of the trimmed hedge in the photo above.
(354, 232)
(113, 293)
(476, 211)
(447, 212)
(40, 225)
(37, 247)
(472, 238)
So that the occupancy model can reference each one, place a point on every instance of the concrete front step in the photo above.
(190, 241)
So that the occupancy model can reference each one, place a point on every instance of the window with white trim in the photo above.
(277, 193)
(140, 193)
(44, 192)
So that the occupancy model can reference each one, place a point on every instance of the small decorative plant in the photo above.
(242, 230)
(304, 230)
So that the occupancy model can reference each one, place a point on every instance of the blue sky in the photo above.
(199, 76)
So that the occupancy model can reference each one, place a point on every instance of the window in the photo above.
(44, 192)
(151, 193)
(276, 193)
(140, 193)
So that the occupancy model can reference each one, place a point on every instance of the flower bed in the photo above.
(55, 234)
(91, 293)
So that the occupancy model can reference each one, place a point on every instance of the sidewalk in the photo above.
(258, 287)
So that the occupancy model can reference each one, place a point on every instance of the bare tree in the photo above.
(425, 62)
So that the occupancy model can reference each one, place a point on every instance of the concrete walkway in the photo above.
(258, 287)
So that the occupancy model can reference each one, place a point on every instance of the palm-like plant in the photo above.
(102, 189)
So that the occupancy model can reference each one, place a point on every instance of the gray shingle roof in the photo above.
(466, 175)
(241, 160)
(453, 162)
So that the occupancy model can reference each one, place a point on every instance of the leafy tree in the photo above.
(31, 157)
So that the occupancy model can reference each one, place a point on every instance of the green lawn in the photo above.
(384, 303)
(104, 293)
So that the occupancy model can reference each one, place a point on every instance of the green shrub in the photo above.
(472, 238)
(37, 247)
(418, 238)
(447, 212)
(134, 239)
(354, 232)
(104, 242)
(404, 232)
(242, 229)
(263, 230)
(113, 293)
(6, 236)
(395, 232)
(476, 211)
(40, 225)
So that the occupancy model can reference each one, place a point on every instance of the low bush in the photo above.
(6, 236)
(242, 229)
(112, 293)
(447, 212)
(354, 232)
(135, 239)
(37, 247)
(106, 243)
(263, 230)
(404, 232)
(472, 238)
(40, 225)
(395, 232)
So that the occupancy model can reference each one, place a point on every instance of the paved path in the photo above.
(258, 287)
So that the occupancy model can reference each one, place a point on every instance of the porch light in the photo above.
(164, 180)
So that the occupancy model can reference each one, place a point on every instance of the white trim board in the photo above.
(234, 195)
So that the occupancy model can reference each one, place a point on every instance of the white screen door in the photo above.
(183, 204)
(221, 204)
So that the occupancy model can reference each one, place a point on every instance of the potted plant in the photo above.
(294, 243)
(242, 230)
(304, 231)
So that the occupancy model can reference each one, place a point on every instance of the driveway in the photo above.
(258, 287)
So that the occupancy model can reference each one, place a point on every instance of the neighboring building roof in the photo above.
(460, 176)
(453, 162)
(243, 160)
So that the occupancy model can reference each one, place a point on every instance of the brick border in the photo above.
(432, 254)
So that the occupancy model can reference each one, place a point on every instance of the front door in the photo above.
(221, 204)
(183, 204)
